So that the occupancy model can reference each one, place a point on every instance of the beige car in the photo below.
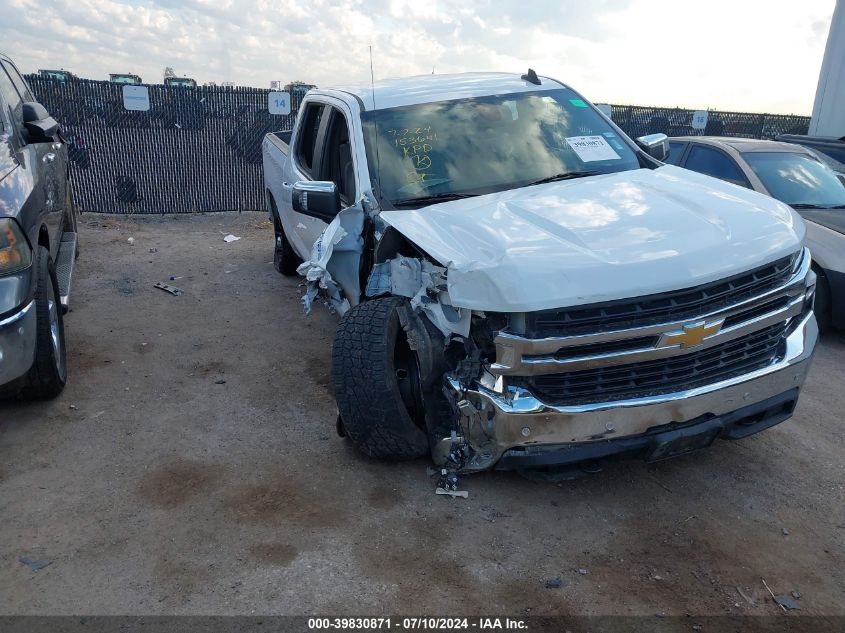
(795, 175)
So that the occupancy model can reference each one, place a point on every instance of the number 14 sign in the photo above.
(278, 102)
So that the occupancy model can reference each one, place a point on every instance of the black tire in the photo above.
(823, 306)
(285, 259)
(48, 374)
(374, 374)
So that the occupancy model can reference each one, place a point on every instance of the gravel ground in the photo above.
(153, 487)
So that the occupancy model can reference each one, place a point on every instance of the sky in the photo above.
(743, 55)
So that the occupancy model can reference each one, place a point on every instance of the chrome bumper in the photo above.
(17, 344)
(497, 423)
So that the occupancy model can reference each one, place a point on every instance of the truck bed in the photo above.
(280, 140)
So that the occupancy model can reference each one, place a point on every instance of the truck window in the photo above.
(487, 144)
(337, 157)
(713, 162)
(307, 140)
(11, 98)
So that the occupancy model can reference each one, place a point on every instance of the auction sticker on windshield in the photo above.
(592, 148)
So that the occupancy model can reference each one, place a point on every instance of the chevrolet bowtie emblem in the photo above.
(692, 335)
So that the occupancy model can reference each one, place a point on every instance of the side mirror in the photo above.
(655, 145)
(38, 123)
(841, 178)
(318, 198)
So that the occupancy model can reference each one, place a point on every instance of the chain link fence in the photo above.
(641, 120)
(194, 150)
(199, 149)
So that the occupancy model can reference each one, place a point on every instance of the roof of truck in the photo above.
(392, 93)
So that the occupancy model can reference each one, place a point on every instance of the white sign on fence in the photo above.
(136, 98)
(278, 102)
(699, 119)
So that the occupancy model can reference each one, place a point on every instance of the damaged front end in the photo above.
(565, 385)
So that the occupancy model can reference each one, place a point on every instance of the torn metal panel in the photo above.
(335, 258)
(425, 285)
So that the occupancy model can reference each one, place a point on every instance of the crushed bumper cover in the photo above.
(17, 344)
(523, 432)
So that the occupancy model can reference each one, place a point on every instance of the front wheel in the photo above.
(377, 382)
(48, 373)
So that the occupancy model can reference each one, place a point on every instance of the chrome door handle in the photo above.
(48, 158)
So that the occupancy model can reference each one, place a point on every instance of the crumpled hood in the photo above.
(601, 238)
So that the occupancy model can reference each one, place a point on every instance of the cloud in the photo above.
(753, 56)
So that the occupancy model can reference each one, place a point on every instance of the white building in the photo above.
(829, 109)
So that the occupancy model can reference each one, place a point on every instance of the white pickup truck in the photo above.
(523, 286)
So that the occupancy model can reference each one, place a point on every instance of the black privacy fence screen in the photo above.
(195, 149)
(198, 149)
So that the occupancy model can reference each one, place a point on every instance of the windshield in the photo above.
(797, 179)
(488, 144)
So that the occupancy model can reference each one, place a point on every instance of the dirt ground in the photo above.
(152, 487)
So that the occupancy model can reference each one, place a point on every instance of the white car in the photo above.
(521, 285)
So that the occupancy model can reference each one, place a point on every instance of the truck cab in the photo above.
(57, 75)
(125, 78)
(521, 285)
(180, 82)
(38, 242)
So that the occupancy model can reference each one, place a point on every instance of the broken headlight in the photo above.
(15, 253)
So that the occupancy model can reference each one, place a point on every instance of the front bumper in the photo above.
(17, 344)
(512, 433)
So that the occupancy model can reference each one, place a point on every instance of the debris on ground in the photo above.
(131, 240)
(34, 564)
(231, 238)
(220, 381)
(452, 493)
(772, 594)
(174, 278)
(168, 288)
(583, 572)
(784, 531)
(745, 596)
(786, 601)
(448, 485)
(72, 406)
(229, 268)
(796, 594)
(554, 583)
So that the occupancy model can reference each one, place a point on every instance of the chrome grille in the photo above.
(671, 306)
(666, 375)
